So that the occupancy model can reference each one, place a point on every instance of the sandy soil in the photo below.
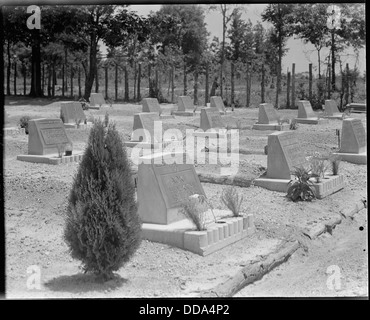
(35, 202)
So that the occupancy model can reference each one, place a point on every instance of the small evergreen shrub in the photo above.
(23, 123)
(84, 104)
(293, 125)
(102, 227)
(334, 162)
(302, 187)
(232, 200)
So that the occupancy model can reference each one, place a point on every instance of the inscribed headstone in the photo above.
(331, 107)
(151, 105)
(145, 120)
(45, 135)
(210, 118)
(96, 99)
(162, 188)
(185, 103)
(284, 153)
(267, 114)
(305, 110)
(353, 137)
(72, 110)
(216, 102)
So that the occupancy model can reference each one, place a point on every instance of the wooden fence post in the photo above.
(293, 85)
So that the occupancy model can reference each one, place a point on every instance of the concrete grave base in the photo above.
(14, 130)
(82, 126)
(275, 127)
(311, 120)
(144, 145)
(183, 113)
(357, 158)
(166, 116)
(334, 117)
(214, 134)
(51, 158)
(280, 185)
(218, 235)
(94, 107)
(328, 186)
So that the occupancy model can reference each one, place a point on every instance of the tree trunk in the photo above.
(54, 80)
(8, 70)
(135, 76)
(293, 86)
(185, 81)
(310, 82)
(207, 84)
(63, 83)
(92, 68)
(50, 75)
(347, 84)
(42, 78)
(333, 60)
(36, 65)
(329, 84)
(25, 78)
(149, 77)
(263, 84)
(15, 78)
(248, 87)
(288, 91)
(116, 82)
(319, 62)
(127, 98)
(79, 82)
(97, 79)
(232, 86)
(106, 83)
(196, 76)
(66, 73)
(72, 81)
(138, 98)
(223, 10)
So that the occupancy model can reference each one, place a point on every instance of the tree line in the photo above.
(173, 39)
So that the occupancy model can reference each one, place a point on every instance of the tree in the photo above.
(102, 227)
(280, 17)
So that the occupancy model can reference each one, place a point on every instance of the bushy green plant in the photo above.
(301, 188)
(293, 125)
(102, 227)
(232, 200)
(23, 123)
(84, 104)
(318, 167)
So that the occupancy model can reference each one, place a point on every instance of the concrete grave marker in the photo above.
(151, 105)
(306, 114)
(161, 189)
(331, 110)
(353, 137)
(268, 119)
(353, 146)
(284, 153)
(45, 135)
(145, 120)
(72, 110)
(216, 102)
(185, 103)
(210, 119)
(96, 99)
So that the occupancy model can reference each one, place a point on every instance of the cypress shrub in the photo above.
(102, 227)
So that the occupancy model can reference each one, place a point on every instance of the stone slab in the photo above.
(96, 100)
(14, 130)
(356, 158)
(181, 234)
(210, 119)
(283, 154)
(45, 135)
(331, 108)
(280, 185)
(272, 127)
(151, 105)
(329, 185)
(161, 188)
(305, 110)
(183, 113)
(216, 102)
(71, 111)
(185, 103)
(267, 114)
(353, 136)
(311, 121)
(52, 158)
(145, 121)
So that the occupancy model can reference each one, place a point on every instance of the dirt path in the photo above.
(312, 272)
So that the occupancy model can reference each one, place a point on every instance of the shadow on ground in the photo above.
(26, 100)
(83, 283)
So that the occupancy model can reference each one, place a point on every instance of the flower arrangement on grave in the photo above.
(102, 226)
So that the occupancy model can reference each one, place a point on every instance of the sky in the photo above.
(299, 53)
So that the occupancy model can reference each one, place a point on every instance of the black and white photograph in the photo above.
(184, 150)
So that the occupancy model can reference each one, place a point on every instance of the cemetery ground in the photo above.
(36, 199)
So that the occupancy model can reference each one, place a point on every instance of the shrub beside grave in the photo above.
(23, 122)
(102, 228)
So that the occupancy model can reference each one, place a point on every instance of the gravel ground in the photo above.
(36, 197)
